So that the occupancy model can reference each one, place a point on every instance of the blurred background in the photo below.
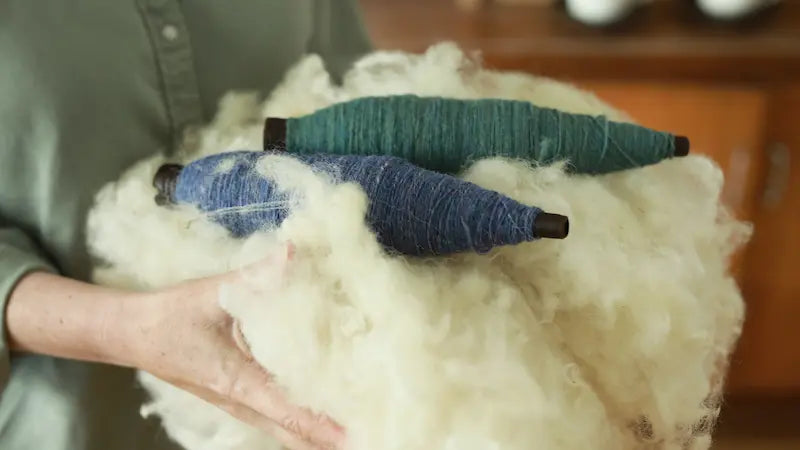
(726, 73)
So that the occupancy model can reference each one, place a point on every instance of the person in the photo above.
(88, 88)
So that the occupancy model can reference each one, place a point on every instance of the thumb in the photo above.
(254, 282)
(272, 266)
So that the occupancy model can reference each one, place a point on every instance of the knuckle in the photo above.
(234, 379)
(293, 425)
(221, 387)
(228, 387)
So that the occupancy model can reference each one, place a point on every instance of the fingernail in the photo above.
(290, 250)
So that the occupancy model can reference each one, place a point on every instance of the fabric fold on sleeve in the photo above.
(19, 255)
(340, 35)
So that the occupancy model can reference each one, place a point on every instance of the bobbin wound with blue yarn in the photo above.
(446, 135)
(413, 211)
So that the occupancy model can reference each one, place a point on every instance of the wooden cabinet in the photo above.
(768, 357)
(753, 133)
(726, 123)
(733, 90)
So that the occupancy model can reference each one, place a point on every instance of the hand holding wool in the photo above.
(188, 340)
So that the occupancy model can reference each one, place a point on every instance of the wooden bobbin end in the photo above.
(553, 226)
(681, 146)
(274, 134)
(165, 180)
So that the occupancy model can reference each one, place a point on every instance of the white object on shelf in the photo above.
(601, 12)
(732, 9)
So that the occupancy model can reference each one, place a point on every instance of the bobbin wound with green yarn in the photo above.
(448, 134)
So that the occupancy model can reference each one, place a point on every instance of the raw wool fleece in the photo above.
(617, 337)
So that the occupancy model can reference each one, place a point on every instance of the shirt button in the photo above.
(170, 32)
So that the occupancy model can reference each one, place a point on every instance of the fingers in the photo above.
(293, 442)
(254, 388)
(312, 427)
(287, 438)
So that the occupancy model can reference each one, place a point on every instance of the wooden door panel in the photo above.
(727, 124)
(740, 128)
(768, 358)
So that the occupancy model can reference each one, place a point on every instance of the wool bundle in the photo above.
(616, 337)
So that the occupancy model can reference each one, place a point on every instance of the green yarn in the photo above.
(447, 134)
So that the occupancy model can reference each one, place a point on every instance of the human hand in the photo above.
(186, 339)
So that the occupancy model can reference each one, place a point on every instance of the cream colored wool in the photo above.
(617, 337)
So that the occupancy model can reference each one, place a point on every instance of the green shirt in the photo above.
(86, 89)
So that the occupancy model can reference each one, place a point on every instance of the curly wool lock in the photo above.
(616, 338)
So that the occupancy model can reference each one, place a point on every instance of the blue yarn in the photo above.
(412, 210)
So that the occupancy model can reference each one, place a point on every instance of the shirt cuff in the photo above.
(15, 263)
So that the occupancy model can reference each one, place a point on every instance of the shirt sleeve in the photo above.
(19, 255)
(340, 36)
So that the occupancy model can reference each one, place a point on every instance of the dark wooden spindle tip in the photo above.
(274, 134)
(553, 226)
(165, 180)
(681, 146)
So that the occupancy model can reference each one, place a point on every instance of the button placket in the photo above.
(172, 47)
